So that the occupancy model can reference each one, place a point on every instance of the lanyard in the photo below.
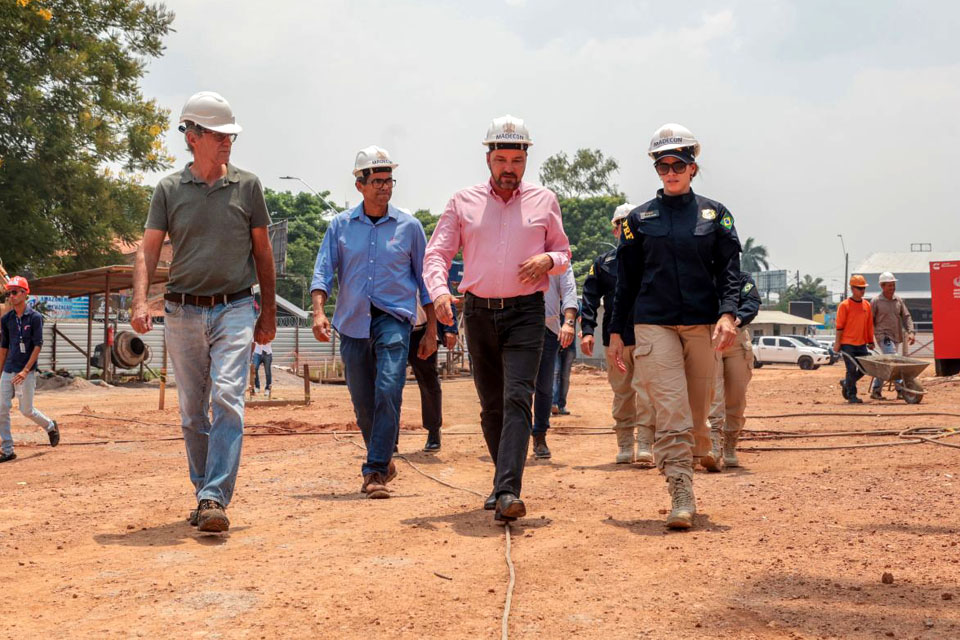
(23, 347)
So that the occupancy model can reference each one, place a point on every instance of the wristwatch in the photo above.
(569, 322)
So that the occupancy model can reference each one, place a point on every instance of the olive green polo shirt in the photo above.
(209, 229)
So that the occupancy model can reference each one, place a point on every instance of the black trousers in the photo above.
(505, 346)
(853, 374)
(425, 371)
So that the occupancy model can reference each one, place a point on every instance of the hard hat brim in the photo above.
(359, 172)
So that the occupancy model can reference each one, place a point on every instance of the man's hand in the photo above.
(567, 334)
(140, 318)
(449, 340)
(534, 268)
(20, 377)
(586, 346)
(725, 332)
(911, 338)
(836, 347)
(871, 346)
(442, 307)
(321, 326)
(615, 351)
(266, 328)
(428, 344)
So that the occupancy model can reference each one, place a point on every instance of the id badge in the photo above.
(23, 347)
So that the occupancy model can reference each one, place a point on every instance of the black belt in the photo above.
(503, 303)
(207, 301)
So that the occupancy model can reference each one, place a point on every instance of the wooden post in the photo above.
(296, 344)
(163, 373)
(306, 383)
(107, 351)
(89, 331)
(53, 349)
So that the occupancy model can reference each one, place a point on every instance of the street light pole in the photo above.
(846, 265)
(315, 192)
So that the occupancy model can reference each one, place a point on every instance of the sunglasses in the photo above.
(13, 292)
(216, 135)
(663, 168)
(859, 288)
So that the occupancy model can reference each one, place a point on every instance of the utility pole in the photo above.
(846, 266)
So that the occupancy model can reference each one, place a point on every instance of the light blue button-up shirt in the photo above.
(379, 264)
(560, 296)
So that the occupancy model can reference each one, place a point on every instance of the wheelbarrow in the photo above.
(900, 371)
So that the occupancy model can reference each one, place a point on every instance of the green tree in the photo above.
(428, 220)
(306, 216)
(587, 224)
(809, 289)
(75, 130)
(588, 174)
(753, 258)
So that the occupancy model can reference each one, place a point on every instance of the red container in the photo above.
(945, 293)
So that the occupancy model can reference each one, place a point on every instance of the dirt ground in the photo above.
(94, 542)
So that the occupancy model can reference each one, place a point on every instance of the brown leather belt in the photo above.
(501, 303)
(207, 301)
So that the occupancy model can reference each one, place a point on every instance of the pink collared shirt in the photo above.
(496, 237)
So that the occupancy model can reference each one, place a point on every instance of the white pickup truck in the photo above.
(780, 349)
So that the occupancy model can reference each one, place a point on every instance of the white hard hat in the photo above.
(622, 211)
(507, 130)
(211, 111)
(886, 276)
(372, 157)
(673, 137)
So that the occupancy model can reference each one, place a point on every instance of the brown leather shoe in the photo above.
(391, 472)
(375, 486)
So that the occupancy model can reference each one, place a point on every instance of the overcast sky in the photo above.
(816, 117)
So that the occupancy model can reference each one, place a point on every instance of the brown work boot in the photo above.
(713, 460)
(730, 449)
(375, 486)
(212, 517)
(644, 455)
(684, 505)
(625, 445)
(391, 472)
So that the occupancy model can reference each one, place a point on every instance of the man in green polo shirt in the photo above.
(216, 217)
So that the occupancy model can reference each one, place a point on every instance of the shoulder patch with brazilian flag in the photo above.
(726, 221)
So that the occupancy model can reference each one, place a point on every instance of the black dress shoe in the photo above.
(433, 441)
(6, 457)
(540, 449)
(54, 435)
(491, 502)
(509, 508)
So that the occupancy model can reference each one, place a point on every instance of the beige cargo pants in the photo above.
(730, 394)
(631, 404)
(676, 367)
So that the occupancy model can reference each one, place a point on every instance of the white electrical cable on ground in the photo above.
(505, 623)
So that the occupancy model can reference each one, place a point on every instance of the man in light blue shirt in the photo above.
(376, 251)
(560, 307)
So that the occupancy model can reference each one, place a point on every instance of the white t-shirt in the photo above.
(263, 348)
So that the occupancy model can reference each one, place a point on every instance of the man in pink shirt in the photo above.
(512, 239)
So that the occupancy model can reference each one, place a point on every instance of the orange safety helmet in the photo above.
(858, 280)
(18, 281)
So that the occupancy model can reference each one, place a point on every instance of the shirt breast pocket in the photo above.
(653, 228)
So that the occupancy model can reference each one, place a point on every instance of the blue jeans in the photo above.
(543, 397)
(7, 391)
(888, 347)
(561, 385)
(376, 370)
(266, 359)
(853, 374)
(210, 350)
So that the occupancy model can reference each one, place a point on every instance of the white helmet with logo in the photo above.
(886, 276)
(622, 212)
(211, 111)
(507, 130)
(370, 158)
(672, 137)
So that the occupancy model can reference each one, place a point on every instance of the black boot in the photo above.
(540, 449)
(433, 441)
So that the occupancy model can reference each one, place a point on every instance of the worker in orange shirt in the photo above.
(854, 335)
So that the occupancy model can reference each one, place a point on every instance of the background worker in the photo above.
(263, 355)
(632, 411)
(376, 252)
(734, 370)
(512, 237)
(216, 217)
(560, 307)
(854, 335)
(21, 338)
(428, 378)
(217, 220)
(678, 266)
(561, 382)
(892, 323)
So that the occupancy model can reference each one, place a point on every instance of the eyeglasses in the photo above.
(216, 135)
(378, 183)
(859, 288)
(14, 292)
(663, 168)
